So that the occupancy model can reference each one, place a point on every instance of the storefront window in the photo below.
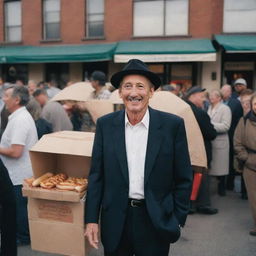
(239, 16)
(90, 67)
(181, 74)
(95, 18)
(160, 17)
(57, 73)
(12, 21)
(51, 19)
(235, 70)
(14, 72)
(158, 69)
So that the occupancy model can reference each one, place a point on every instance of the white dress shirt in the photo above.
(136, 138)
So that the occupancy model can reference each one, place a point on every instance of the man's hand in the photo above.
(92, 234)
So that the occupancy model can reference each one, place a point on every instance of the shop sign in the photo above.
(238, 66)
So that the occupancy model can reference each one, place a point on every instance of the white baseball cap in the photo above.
(240, 81)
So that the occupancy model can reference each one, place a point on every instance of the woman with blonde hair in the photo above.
(245, 148)
(220, 115)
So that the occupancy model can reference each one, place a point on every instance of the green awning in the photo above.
(166, 50)
(60, 53)
(237, 43)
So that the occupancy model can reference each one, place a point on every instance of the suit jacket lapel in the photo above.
(119, 141)
(154, 142)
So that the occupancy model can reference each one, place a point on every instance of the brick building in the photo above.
(191, 42)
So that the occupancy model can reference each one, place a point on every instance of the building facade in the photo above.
(181, 40)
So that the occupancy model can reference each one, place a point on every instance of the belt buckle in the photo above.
(133, 203)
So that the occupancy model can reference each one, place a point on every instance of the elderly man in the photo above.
(19, 136)
(237, 113)
(140, 178)
(195, 98)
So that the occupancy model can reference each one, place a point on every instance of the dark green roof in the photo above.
(103, 52)
(165, 47)
(237, 43)
(60, 53)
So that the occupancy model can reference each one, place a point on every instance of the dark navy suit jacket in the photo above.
(167, 177)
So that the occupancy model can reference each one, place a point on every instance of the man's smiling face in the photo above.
(136, 90)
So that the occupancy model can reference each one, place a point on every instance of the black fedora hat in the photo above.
(135, 66)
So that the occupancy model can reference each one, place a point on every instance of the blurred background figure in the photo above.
(53, 89)
(170, 88)
(179, 90)
(53, 112)
(2, 87)
(101, 92)
(206, 103)
(239, 85)
(176, 89)
(32, 86)
(98, 81)
(195, 97)
(75, 114)
(245, 99)
(245, 148)
(42, 126)
(220, 116)
(237, 112)
(42, 85)
(19, 82)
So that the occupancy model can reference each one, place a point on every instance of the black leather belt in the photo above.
(136, 202)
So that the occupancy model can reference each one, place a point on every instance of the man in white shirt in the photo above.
(140, 177)
(19, 136)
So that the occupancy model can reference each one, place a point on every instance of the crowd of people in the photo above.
(226, 118)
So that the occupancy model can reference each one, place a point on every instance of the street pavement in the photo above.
(223, 234)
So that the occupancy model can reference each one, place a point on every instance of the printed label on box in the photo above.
(55, 211)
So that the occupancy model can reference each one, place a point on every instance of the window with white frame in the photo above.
(51, 9)
(95, 18)
(12, 21)
(160, 17)
(239, 16)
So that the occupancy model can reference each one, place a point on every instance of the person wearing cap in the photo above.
(98, 81)
(195, 97)
(140, 179)
(239, 85)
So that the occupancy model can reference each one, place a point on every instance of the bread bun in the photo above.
(37, 181)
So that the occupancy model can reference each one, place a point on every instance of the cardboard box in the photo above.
(56, 218)
(57, 227)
